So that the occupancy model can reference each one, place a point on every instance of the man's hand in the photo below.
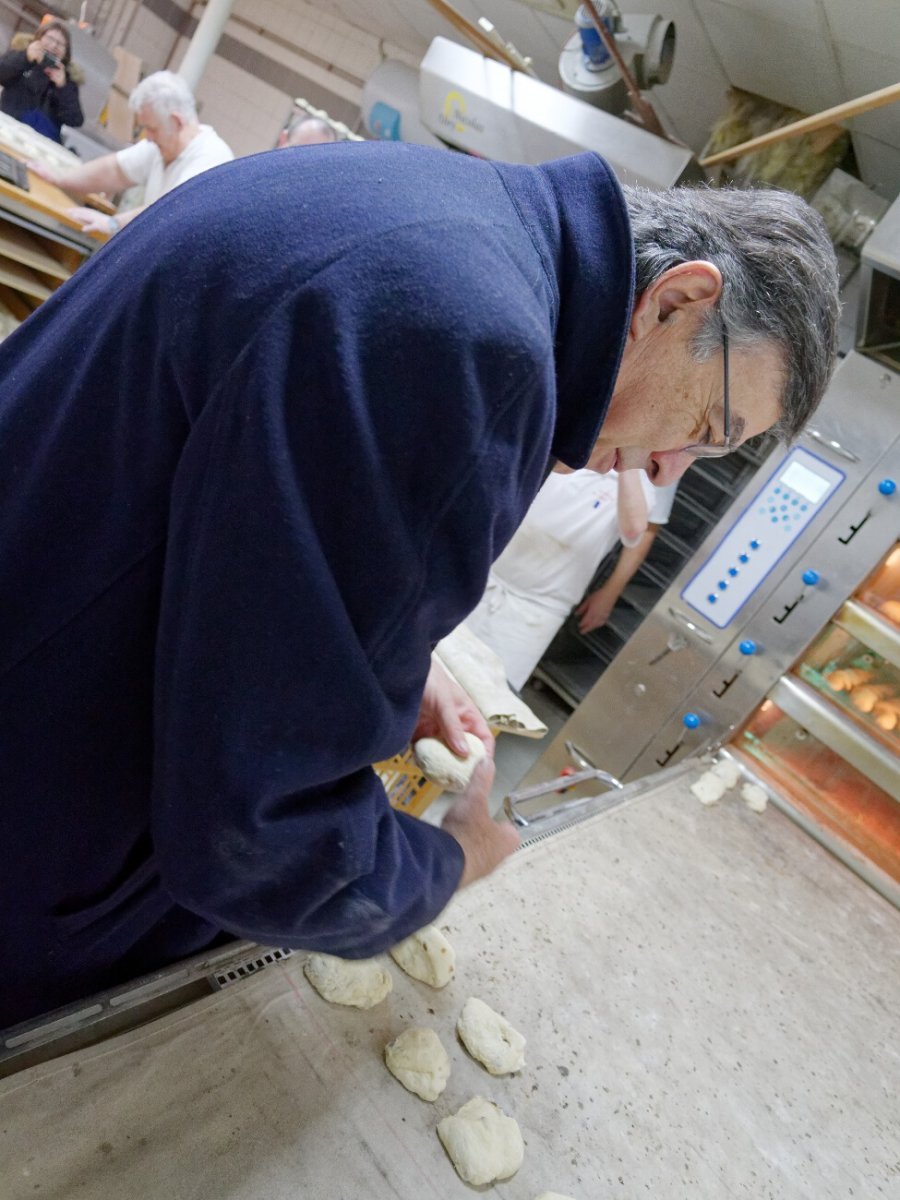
(447, 713)
(594, 610)
(485, 842)
(51, 174)
(89, 219)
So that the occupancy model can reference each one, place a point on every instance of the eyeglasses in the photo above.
(718, 449)
(53, 43)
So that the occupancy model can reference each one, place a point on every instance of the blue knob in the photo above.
(690, 720)
(748, 646)
(811, 578)
(887, 487)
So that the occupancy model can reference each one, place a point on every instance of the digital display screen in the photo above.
(808, 484)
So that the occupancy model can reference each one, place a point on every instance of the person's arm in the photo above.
(92, 220)
(595, 608)
(13, 65)
(99, 175)
(294, 643)
(66, 98)
(631, 507)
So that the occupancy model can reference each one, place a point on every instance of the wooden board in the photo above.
(23, 279)
(19, 245)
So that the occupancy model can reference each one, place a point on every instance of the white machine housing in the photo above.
(475, 104)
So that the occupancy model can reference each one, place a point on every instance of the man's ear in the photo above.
(685, 288)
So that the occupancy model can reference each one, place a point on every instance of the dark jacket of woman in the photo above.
(31, 97)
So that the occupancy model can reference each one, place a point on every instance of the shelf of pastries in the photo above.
(830, 796)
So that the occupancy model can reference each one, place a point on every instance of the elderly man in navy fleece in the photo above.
(257, 457)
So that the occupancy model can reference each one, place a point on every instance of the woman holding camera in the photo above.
(40, 84)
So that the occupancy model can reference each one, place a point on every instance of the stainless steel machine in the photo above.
(810, 544)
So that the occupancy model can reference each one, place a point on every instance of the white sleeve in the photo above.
(137, 161)
(661, 504)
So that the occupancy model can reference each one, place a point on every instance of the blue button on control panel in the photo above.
(777, 515)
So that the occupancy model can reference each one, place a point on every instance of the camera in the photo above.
(50, 60)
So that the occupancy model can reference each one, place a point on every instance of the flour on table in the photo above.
(419, 1061)
(482, 1142)
(426, 956)
(490, 1038)
(361, 983)
(441, 765)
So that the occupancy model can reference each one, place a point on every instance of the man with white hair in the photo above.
(175, 147)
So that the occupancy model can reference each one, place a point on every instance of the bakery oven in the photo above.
(780, 637)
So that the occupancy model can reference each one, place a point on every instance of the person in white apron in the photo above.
(576, 519)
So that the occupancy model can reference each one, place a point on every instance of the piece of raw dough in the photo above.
(419, 1061)
(552, 1196)
(709, 788)
(439, 764)
(490, 1038)
(727, 770)
(361, 983)
(482, 1142)
(755, 797)
(426, 956)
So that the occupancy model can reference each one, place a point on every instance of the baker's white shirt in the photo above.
(571, 526)
(547, 567)
(143, 163)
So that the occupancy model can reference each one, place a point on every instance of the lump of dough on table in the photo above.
(552, 1196)
(709, 788)
(439, 764)
(419, 1061)
(361, 983)
(482, 1142)
(755, 797)
(727, 770)
(426, 956)
(490, 1038)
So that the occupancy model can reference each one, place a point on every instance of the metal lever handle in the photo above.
(561, 783)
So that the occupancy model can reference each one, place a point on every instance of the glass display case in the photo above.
(827, 738)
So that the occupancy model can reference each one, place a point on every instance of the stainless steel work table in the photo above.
(711, 1006)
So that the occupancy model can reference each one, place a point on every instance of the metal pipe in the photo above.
(203, 44)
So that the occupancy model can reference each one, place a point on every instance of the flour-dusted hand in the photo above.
(485, 842)
(448, 713)
(89, 219)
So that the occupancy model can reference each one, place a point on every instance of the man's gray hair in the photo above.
(779, 276)
(165, 93)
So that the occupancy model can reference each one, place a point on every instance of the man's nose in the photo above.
(667, 466)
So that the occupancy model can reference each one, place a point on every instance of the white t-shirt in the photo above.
(548, 565)
(570, 527)
(143, 163)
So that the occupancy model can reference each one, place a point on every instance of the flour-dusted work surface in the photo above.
(711, 1009)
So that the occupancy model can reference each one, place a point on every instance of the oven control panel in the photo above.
(792, 496)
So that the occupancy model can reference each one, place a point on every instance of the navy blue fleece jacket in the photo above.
(256, 458)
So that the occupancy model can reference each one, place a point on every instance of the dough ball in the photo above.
(419, 1061)
(709, 788)
(490, 1038)
(483, 1144)
(427, 956)
(441, 765)
(727, 770)
(361, 984)
(755, 797)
